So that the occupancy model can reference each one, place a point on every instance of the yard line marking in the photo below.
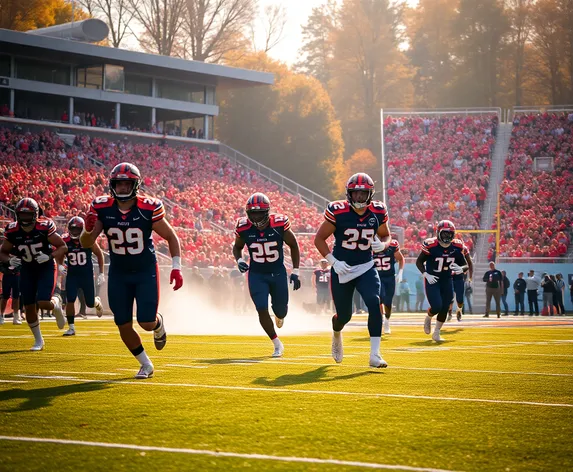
(207, 452)
(14, 381)
(293, 390)
(87, 373)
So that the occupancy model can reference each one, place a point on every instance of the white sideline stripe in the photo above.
(292, 390)
(206, 452)
(14, 381)
(87, 373)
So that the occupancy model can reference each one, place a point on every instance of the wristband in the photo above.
(241, 260)
(330, 258)
(176, 262)
(295, 271)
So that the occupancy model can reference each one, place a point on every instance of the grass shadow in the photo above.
(237, 360)
(318, 375)
(37, 398)
(14, 351)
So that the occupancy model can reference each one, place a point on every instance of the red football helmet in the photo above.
(445, 231)
(75, 227)
(258, 209)
(124, 172)
(27, 212)
(360, 182)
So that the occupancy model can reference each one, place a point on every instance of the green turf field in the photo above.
(491, 398)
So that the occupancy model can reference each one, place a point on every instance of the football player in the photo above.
(360, 225)
(28, 244)
(321, 283)
(459, 285)
(10, 288)
(128, 220)
(441, 258)
(264, 233)
(384, 262)
(79, 272)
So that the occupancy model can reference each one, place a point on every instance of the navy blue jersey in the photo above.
(79, 258)
(354, 233)
(129, 234)
(440, 258)
(322, 279)
(384, 261)
(28, 244)
(265, 245)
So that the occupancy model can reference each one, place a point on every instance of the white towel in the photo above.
(355, 272)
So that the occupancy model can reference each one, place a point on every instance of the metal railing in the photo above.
(285, 184)
(444, 111)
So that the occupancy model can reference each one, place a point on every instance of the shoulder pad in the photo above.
(336, 208)
(277, 221)
(458, 243)
(428, 244)
(377, 206)
(45, 224)
(148, 203)
(103, 201)
(66, 237)
(12, 227)
(243, 224)
(395, 244)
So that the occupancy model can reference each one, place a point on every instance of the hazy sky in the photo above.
(298, 13)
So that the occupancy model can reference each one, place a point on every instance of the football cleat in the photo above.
(98, 307)
(70, 332)
(58, 313)
(459, 314)
(279, 350)
(279, 322)
(337, 350)
(436, 337)
(428, 324)
(377, 362)
(38, 346)
(145, 372)
(160, 336)
(449, 316)
(16, 320)
(386, 325)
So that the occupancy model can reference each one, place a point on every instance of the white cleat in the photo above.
(337, 350)
(145, 372)
(428, 324)
(436, 337)
(98, 307)
(459, 314)
(279, 322)
(377, 362)
(38, 346)
(279, 350)
(387, 329)
(58, 313)
(70, 332)
(16, 320)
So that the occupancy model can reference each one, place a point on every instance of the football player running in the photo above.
(128, 219)
(265, 233)
(441, 258)
(360, 225)
(28, 244)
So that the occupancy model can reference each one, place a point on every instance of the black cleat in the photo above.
(160, 336)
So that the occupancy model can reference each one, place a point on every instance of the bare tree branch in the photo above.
(275, 18)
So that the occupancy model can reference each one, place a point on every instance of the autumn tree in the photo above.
(24, 15)
(290, 126)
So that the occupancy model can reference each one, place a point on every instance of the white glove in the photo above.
(377, 245)
(432, 279)
(341, 267)
(63, 270)
(41, 258)
(100, 279)
(399, 276)
(456, 269)
(15, 261)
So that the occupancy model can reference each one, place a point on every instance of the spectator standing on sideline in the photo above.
(560, 292)
(548, 290)
(493, 288)
(468, 292)
(555, 295)
(404, 295)
(420, 293)
(532, 284)
(519, 287)
(505, 285)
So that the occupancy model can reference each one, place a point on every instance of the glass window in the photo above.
(90, 77)
(114, 78)
(181, 91)
(42, 71)
(4, 66)
(138, 85)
